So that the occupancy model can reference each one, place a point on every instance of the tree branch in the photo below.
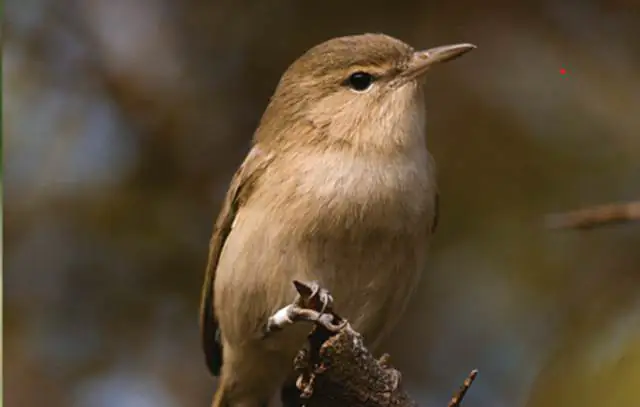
(336, 369)
(596, 216)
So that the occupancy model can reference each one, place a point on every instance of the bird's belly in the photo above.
(370, 268)
(361, 231)
(365, 238)
(371, 276)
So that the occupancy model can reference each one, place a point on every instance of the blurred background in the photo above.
(124, 120)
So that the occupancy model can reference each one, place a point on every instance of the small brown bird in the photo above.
(338, 188)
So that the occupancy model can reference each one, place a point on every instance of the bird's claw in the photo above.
(280, 319)
(313, 304)
(312, 296)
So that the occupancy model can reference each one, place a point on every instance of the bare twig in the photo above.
(596, 216)
(457, 398)
(336, 369)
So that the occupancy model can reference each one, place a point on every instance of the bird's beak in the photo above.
(422, 60)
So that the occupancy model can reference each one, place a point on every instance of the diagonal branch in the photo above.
(457, 398)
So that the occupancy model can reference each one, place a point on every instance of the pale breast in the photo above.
(362, 229)
(358, 227)
(339, 187)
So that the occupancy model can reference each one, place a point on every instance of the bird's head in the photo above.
(357, 90)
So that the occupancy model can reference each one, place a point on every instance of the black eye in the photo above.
(360, 81)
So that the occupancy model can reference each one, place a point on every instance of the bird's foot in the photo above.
(313, 304)
(283, 317)
(312, 296)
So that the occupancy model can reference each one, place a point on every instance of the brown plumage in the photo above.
(339, 188)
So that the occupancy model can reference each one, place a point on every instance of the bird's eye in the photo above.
(360, 81)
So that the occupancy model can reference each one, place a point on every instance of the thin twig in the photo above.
(596, 216)
(457, 398)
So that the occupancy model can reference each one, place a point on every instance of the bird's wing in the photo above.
(240, 190)
(436, 213)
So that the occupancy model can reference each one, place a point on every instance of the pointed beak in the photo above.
(422, 60)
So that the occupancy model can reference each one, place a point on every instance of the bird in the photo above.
(338, 188)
